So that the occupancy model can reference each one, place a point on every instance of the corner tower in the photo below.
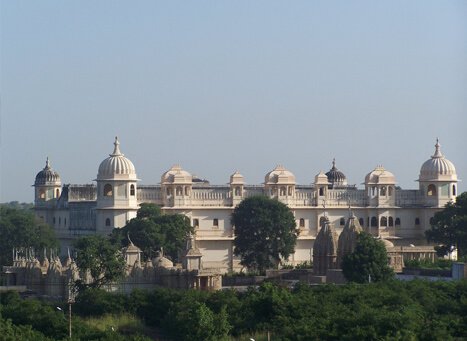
(438, 179)
(116, 191)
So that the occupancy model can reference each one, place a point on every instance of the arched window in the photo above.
(342, 222)
(282, 191)
(431, 191)
(454, 190)
(361, 221)
(321, 191)
(302, 222)
(391, 221)
(398, 221)
(383, 191)
(132, 190)
(237, 191)
(417, 221)
(374, 222)
(215, 222)
(178, 190)
(384, 221)
(390, 190)
(108, 190)
(107, 222)
(195, 223)
(57, 193)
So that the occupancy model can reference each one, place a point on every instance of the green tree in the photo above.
(98, 256)
(265, 231)
(190, 319)
(151, 230)
(369, 259)
(20, 228)
(449, 227)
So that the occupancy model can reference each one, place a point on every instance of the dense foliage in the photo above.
(96, 255)
(26, 320)
(19, 228)
(369, 261)
(449, 227)
(385, 310)
(265, 231)
(151, 230)
(379, 311)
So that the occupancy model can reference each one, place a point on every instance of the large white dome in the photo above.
(438, 167)
(116, 166)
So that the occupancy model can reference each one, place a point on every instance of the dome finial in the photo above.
(116, 151)
(438, 153)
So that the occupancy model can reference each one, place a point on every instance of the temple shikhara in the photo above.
(326, 210)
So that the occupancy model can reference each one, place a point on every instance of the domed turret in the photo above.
(116, 166)
(280, 183)
(380, 186)
(116, 191)
(47, 176)
(47, 187)
(177, 185)
(438, 179)
(335, 177)
(438, 168)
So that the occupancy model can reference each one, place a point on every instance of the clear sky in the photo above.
(219, 86)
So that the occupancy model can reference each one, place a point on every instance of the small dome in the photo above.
(438, 167)
(335, 176)
(380, 176)
(237, 179)
(279, 175)
(162, 262)
(116, 166)
(47, 176)
(176, 175)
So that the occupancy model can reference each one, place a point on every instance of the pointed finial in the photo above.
(116, 151)
(437, 150)
(130, 242)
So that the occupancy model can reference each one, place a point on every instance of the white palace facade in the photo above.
(382, 208)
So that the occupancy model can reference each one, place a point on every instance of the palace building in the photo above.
(381, 208)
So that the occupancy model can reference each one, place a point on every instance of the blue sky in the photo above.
(219, 86)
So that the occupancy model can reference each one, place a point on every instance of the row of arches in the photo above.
(383, 191)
